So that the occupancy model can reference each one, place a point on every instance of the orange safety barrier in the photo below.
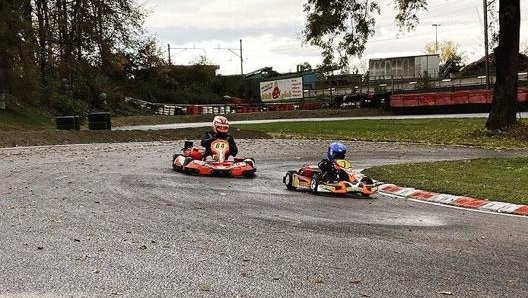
(443, 99)
(427, 99)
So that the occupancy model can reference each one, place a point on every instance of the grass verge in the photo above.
(425, 131)
(503, 180)
(17, 117)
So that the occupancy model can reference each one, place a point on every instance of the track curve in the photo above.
(114, 219)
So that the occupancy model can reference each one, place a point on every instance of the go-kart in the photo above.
(193, 161)
(344, 181)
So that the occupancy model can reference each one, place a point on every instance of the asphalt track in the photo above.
(113, 220)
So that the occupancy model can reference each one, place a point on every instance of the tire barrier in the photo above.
(170, 110)
(99, 121)
(215, 110)
(68, 122)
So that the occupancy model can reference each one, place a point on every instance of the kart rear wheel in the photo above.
(314, 183)
(250, 161)
(288, 180)
(249, 173)
(367, 180)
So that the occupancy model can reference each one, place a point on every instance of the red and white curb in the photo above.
(452, 200)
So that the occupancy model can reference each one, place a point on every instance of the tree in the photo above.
(82, 43)
(342, 28)
(451, 60)
(504, 105)
(17, 68)
(305, 66)
(447, 50)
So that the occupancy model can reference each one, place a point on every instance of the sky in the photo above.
(269, 32)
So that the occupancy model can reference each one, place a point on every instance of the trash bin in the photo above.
(99, 121)
(65, 122)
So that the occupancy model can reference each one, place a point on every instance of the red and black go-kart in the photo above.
(192, 161)
(347, 181)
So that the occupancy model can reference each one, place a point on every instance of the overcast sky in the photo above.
(270, 32)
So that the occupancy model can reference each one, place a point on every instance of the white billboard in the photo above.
(405, 67)
(285, 89)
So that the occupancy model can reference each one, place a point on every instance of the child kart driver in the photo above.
(335, 151)
(219, 130)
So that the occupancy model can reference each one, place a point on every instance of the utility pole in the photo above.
(238, 55)
(436, 36)
(184, 49)
(241, 61)
(168, 50)
(485, 2)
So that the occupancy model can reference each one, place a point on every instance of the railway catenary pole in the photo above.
(436, 36)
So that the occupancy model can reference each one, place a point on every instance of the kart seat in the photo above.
(309, 171)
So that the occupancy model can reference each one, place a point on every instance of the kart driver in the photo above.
(336, 150)
(219, 130)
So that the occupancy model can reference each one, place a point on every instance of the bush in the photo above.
(65, 105)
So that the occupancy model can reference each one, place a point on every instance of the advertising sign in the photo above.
(285, 89)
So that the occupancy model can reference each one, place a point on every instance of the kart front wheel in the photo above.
(175, 167)
(288, 180)
(314, 184)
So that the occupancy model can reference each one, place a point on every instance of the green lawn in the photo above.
(494, 179)
(19, 118)
(428, 131)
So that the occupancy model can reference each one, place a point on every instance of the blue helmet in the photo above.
(335, 151)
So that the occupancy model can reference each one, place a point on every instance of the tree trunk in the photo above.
(504, 105)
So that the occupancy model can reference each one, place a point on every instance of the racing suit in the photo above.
(210, 136)
(328, 171)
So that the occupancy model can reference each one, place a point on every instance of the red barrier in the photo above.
(427, 99)
(396, 101)
(477, 97)
(443, 99)
(410, 100)
(522, 95)
(194, 110)
(240, 109)
(310, 106)
(459, 98)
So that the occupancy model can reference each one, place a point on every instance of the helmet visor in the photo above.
(222, 127)
(340, 155)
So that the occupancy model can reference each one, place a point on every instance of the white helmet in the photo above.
(220, 124)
